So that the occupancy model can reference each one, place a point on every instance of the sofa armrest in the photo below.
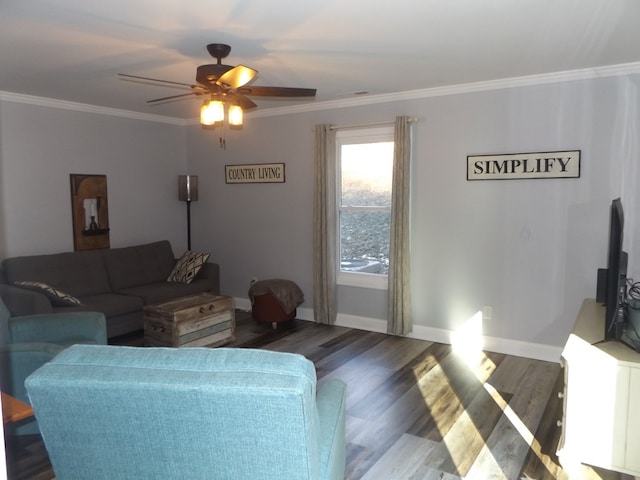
(62, 328)
(21, 301)
(331, 400)
(211, 271)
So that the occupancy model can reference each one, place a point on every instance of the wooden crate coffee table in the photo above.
(198, 320)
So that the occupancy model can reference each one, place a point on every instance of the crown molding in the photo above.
(474, 87)
(364, 100)
(87, 108)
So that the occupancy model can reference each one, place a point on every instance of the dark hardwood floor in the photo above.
(415, 409)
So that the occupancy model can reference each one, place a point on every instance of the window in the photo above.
(364, 174)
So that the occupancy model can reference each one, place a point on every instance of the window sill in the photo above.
(363, 280)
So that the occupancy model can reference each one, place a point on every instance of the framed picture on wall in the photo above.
(89, 211)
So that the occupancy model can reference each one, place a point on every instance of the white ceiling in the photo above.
(73, 49)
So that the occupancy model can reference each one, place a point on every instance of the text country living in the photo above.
(259, 173)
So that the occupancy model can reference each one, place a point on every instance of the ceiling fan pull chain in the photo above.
(223, 138)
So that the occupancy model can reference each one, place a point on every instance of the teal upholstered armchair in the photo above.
(124, 412)
(27, 342)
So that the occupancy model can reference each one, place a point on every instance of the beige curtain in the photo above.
(324, 221)
(399, 310)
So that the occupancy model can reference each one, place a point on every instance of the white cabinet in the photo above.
(601, 424)
(632, 455)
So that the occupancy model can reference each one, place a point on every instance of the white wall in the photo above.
(41, 146)
(528, 248)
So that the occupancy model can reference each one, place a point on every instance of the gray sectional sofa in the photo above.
(117, 282)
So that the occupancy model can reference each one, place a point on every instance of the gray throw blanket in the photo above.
(286, 292)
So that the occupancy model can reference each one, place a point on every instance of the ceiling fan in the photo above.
(225, 85)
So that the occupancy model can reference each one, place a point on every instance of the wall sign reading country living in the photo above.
(255, 173)
(564, 164)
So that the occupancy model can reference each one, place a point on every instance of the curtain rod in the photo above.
(373, 124)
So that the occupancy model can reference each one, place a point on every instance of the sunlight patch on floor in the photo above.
(508, 412)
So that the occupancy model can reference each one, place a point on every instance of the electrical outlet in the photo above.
(487, 312)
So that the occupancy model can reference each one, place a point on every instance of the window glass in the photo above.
(364, 241)
(365, 169)
(366, 174)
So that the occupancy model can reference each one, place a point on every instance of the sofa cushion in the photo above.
(188, 266)
(111, 304)
(164, 291)
(139, 265)
(76, 273)
(56, 296)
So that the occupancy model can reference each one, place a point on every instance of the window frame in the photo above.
(376, 134)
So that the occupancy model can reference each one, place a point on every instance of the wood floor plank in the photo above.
(306, 341)
(393, 352)
(457, 385)
(509, 443)
(468, 435)
(370, 370)
(404, 459)
(508, 375)
(531, 397)
(489, 467)
(342, 349)
(541, 460)
(384, 395)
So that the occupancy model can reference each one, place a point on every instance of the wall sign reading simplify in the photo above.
(564, 164)
(256, 173)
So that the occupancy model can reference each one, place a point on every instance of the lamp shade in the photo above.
(235, 115)
(188, 188)
(212, 112)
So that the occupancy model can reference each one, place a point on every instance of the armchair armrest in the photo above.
(18, 361)
(331, 400)
(62, 328)
(20, 301)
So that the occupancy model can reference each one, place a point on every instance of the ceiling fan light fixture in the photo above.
(227, 88)
(236, 116)
(212, 112)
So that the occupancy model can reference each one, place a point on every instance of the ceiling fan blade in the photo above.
(237, 77)
(158, 80)
(172, 97)
(278, 91)
(239, 99)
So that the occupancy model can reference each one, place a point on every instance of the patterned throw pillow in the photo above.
(188, 266)
(56, 296)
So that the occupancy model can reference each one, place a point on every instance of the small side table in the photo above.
(14, 410)
(201, 320)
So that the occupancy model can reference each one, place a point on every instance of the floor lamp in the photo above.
(188, 192)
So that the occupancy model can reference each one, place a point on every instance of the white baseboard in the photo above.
(537, 351)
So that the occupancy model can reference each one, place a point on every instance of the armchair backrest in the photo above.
(127, 412)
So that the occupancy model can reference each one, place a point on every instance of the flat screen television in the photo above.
(616, 274)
